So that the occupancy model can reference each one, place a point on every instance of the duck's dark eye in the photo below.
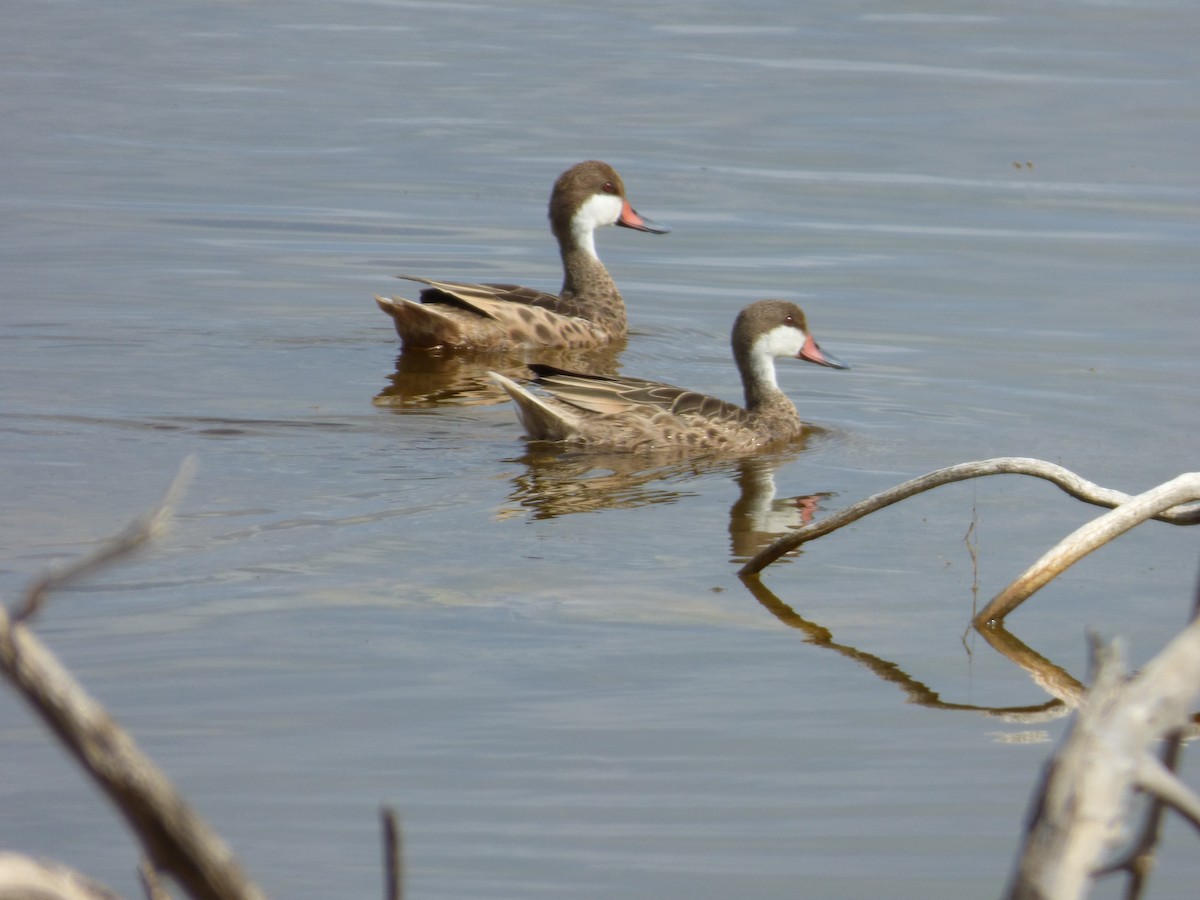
(609, 188)
(790, 320)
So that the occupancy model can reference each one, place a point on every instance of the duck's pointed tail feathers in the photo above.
(542, 421)
(421, 325)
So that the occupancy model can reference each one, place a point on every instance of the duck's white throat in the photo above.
(782, 340)
(599, 210)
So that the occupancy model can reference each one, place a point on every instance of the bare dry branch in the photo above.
(1138, 859)
(141, 531)
(1067, 480)
(1155, 778)
(175, 839)
(1089, 537)
(23, 878)
(1104, 758)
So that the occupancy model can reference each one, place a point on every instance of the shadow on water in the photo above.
(431, 378)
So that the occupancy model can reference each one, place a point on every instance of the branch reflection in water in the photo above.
(429, 378)
(919, 693)
(1051, 678)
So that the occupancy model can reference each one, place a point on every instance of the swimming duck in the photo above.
(612, 412)
(587, 312)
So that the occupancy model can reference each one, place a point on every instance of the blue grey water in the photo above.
(373, 595)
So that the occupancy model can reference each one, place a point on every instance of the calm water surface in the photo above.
(376, 594)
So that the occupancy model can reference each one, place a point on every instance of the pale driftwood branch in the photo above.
(1155, 778)
(1087, 787)
(1068, 481)
(1138, 859)
(23, 878)
(1089, 537)
(175, 839)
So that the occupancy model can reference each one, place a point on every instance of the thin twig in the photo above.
(393, 855)
(1067, 480)
(141, 531)
(152, 885)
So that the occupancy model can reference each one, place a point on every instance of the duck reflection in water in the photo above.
(759, 517)
(556, 483)
(425, 379)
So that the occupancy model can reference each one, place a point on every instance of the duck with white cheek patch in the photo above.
(587, 312)
(615, 413)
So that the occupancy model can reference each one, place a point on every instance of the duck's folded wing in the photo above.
(620, 395)
(482, 298)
